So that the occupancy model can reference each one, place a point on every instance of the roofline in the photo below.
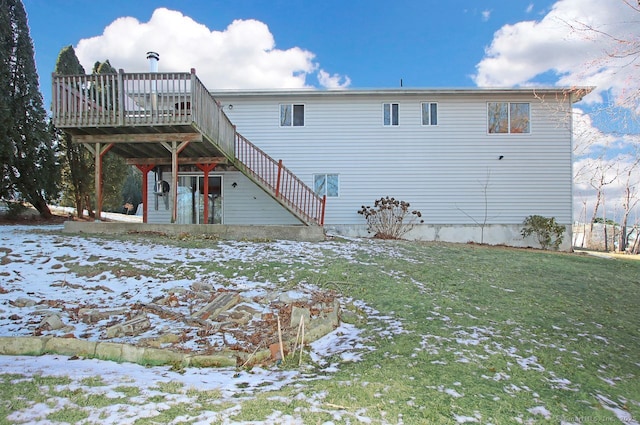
(575, 93)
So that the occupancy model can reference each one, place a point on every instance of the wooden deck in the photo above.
(170, 118)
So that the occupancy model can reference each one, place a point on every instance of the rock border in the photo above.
(153, 356)
(118, 352)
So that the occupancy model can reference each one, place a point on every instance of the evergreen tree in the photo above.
(132, 189)
(5, 112)
(114, 167)
(78, 164)
(30, 168)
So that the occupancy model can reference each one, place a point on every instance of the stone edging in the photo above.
(35, 346)
(150, 356)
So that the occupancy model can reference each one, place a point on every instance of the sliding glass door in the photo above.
(191, 199)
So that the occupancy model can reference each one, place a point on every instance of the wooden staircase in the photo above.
(157, 107)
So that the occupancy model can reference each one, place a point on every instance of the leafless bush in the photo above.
(390, 218)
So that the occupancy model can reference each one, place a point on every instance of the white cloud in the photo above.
(529, 8)
(334, 81)
(486, 14)
(588, 140)
(242, 56)
(602, 157)
(562, 43)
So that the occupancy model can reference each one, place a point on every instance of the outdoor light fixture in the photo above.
(500, 157)
(234, 184)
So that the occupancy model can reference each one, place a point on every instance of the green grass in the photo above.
(484, 332)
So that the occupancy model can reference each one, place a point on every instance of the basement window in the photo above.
(291, 115)
(326, 184)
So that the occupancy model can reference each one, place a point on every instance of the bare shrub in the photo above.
(390, 218)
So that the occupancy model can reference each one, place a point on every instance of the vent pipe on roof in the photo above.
(153, 58)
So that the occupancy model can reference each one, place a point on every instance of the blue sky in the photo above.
(330, 44)
(374, 43)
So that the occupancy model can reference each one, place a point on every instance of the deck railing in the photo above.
(157, 99)
(140, 99)
(285, 185)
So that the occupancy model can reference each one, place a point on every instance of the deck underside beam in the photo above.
(138, 138)
(181, 161)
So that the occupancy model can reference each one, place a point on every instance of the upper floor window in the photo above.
(429, 113)
(390, 114)
(326, 184)
(291, 115)
(508, 117)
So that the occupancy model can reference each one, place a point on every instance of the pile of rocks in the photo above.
(197, 321)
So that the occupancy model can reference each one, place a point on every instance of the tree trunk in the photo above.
(41, 205)
(622, 238)
(87, 202)
(78, 205)
(636, 244)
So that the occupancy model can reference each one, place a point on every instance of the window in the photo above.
(429, 113)
(326, 184)
(506, 117)
(291, 115)
(390, 114)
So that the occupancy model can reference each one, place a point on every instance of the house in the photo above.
(475, 162)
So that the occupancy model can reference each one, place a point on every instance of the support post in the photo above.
(205, 169)
(175, 150)
(144, 169)
(99, 153)
(97, 180)
(174, 186)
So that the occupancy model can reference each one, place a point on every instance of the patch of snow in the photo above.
(563, 384)
(624, 416)
(530, 363)
(227, 380)
(540, 410)
(345, 341)
(453, 393)
(608, 381)
(601, 338)
(465, 419)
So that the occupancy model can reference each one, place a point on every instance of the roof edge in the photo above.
(575, 93)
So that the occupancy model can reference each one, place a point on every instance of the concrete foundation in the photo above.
(491, 234)
(220, 231)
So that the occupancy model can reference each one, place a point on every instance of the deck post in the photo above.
(175, 150)
(98, 181)
(99, 152)
(145, 168)
(205, 169)
(174, 186)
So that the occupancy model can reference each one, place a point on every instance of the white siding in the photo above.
(246, 203)
(163, 213)
(441, 170)
(243, 203)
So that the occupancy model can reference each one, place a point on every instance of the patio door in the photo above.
(191, 199)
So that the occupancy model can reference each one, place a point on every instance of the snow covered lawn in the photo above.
(440, 334)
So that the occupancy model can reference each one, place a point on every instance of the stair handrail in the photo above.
(285, 185)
